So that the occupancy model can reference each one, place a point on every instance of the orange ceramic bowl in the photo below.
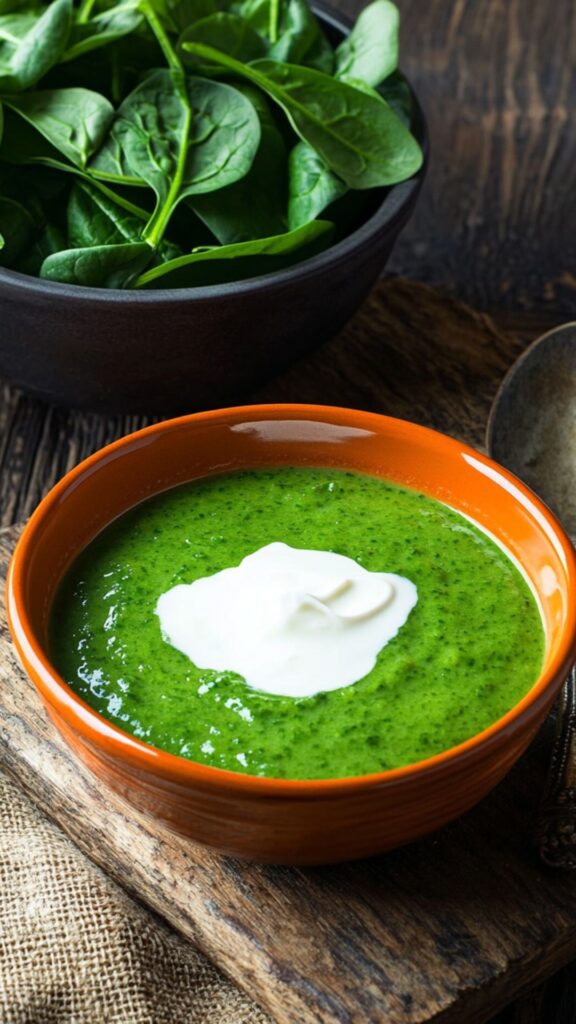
(295, 822)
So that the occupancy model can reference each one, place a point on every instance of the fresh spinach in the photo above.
(25, 213)
(102, 30)
(292, 32)
(25, 146)
(237, 262)
(370, 52)
(26, 55)
(183, 141)
(178, 15)
(74, 121)
(313, 186)
(95, 218)
(100, 266)
(255, 206)
(34, 198)
(300, 38)
(186, 142)
(48, 239)
(17, 230)
(227, 32)
(396, 92)
(357, 135)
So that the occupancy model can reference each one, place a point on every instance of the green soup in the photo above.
(470, 649)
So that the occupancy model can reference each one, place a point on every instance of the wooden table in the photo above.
(495, 227)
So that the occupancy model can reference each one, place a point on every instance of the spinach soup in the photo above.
(460, 645)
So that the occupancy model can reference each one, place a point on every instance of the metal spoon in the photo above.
(532, 431)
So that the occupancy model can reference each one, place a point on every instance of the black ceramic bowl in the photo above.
(168, 351)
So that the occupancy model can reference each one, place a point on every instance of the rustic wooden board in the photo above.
(448, 930)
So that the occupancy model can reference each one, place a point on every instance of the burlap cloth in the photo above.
(75, 949)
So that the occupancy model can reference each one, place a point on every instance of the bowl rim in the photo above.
(395, 206)
(104, 736)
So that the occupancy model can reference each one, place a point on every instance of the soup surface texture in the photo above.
(470, 649)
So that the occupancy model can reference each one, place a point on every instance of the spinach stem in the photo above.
(137, 211)
(84, 12)
(217, 57)
(274, 17)
(157, 27)
(154, 230)
(125, 204)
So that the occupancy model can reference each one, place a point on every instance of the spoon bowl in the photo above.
(532, 425)
(532, 431)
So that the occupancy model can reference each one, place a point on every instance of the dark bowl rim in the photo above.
(394, 207)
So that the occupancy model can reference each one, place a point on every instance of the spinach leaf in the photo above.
(26, 238)
(93, 218)
(181, 138)
(101, 266)
(292, 29)
(37, 201)
(262, 15)
(209, 158)
(370, 52)
(113, 70)
(255, 206)
(15, 25)
(74, 121)
(357, 135)
(10, 7)
(111, 163)
(312, 186)
(319, 55)
(48, 240)
(17, 230)
(23, 145)
(239, 261)
(396, 92)
(26, 57)
(300, 38)
(227, 32)
(102, 30)
(178, 15)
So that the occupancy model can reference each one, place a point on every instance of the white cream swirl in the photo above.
(292, 622)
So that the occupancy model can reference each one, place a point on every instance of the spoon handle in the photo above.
(556, 828)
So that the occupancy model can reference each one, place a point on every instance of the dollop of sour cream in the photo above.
(291, 621)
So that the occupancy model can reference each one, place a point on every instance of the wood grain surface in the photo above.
(449, 929)
(496, 224)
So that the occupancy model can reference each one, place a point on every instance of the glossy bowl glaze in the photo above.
(174, 350)
(295, 822)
